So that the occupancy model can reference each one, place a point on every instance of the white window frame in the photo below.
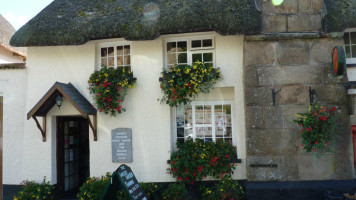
(191, 50)
(111, 44)
(350, 60)
(202, 103)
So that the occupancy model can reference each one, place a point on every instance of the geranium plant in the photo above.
(33, 190)
(195, 160)
(109, 87)
(226, 188)
(182, 83)
(318, 126)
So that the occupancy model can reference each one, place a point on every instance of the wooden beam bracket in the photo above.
(42, 129)
(93, 127)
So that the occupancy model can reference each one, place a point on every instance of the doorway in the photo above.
(72, 154)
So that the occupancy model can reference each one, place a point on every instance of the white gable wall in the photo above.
(7, 56)
(13, 89)
(149, 120)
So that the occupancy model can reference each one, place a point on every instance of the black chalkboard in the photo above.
(130, 183)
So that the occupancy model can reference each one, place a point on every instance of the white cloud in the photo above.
(16, 20)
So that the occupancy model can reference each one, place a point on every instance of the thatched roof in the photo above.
(341, 15)
(6, 32)
(74, 22)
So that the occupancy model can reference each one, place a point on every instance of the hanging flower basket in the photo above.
(182, 83)
(318, 125)
(109, 88)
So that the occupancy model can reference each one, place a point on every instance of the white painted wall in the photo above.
(149, 120)
(6, 57)
(13, 89)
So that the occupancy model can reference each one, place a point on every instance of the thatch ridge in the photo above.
(74, 22)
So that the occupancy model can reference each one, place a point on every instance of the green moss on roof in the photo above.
(74, 22)
(341, 14)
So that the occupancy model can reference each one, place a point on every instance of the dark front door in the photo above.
(72, 154)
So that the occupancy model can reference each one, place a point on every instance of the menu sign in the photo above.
(129, 181)
(121, 142)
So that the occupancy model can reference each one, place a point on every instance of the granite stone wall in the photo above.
(292, 56)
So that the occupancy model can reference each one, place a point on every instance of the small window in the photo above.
(115, 56)
(185, 52)
(207, 121)
(350, 47)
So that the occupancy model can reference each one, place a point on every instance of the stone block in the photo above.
(321, 167)
(304, 23)
(258, 96)
(292, 95)
(321, 50)
(290, 168)
(343, 143)
(258, 53)
(344, 168)
(264, 173)
(310, 6)
(289, 114)
(272, 142)
(331, 94)
(250, 76)
(287, 7)
(254, 117)
(273, 116)
(293, 52)
(288, 75)
(274, 24)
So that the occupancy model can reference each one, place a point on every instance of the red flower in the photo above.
(315, 113)
(302, 145)
(118, 108)
(226, 156)
(200, 168)
(101, 109)
(333, 109)
(322, 118)
(179, 178)
(118, 101)
(110, 99)
(316, 142)
(301, 125)
(188, 84)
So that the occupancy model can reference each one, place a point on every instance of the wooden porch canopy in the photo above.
(71, 94)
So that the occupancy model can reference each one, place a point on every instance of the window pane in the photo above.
(120, 60)
(346, 38)
(182, 58)
(180, 132)
(353, 37)
(104, 52)
(208, 43)
(197, 57)
(127, 50)
(119, 50)
(182, 46)
(127, 60)
(111, 51)
(208, 57)
(171, 46)
(353, 51)
(208, 64)
(196, 43)
(203, 115)
(348, 53)
(111, 61)
(171, 59)
(188, 116)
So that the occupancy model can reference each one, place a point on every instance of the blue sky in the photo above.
(18, 12)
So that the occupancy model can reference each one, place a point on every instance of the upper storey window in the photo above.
(114, 55)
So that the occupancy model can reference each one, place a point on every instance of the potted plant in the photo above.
(109, 88)
(181, 83)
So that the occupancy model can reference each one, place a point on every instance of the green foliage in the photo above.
(195, 160)
(152, 192)
(182, 83)
(175, 191)
(109, 87)
(93, 188)
(226, 188)
(318, 126)
(32, 190)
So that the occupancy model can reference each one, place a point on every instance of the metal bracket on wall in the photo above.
(274, 96)
(311, 95)
(264, 165)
